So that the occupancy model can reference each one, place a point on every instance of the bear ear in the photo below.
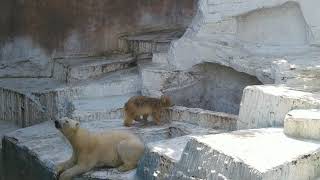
(77, 125)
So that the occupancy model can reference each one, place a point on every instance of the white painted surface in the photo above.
(303, 124)
(250, 154)
(249, 36)
(267, 105)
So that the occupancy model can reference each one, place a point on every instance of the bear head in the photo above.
(67, 126)
(165, 101)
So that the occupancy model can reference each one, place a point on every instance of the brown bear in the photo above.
(144, 106)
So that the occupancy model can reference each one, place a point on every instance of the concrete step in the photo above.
(161, 157)
(33, 152)
(303, 123)
(249, 155)
(113, 84)
(267, 105)
(5, 127)
(74, 69)
(202, 118)
(100, 108)
(150, 42)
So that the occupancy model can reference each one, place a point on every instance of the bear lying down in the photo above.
(119, 149)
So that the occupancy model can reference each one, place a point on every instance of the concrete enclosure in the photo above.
(32, 32)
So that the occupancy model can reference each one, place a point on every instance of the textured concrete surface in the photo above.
(303, 123)
(249, 155)
(202, 118)
(150, 42)
(5, 127)
(31, 100)
(109, 107)
(59, 28)
(74, 69)
(207, 86)
(267, 106)
(233, 34)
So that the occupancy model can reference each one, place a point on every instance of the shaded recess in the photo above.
(219, 89)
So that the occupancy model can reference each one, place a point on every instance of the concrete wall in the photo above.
(33, 31)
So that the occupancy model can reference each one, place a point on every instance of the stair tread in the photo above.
(95, 61)
(101, 103)
(159, 36)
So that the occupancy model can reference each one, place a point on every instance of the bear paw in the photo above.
(125, 167)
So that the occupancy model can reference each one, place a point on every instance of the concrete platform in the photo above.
(113, 84)
(303, 123)
(109, 107)
(267, 105)
(203, 118)
(33, 152)
(249, 155)
(160, 158)
(74, 69)
(150, 42)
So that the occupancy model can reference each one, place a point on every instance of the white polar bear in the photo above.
(111, 148)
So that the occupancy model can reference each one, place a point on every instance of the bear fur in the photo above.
(119, 149)
(144, 106)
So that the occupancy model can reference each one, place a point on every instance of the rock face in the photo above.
(303, 124)
(248, 155)
(78, 28)
(251, 37)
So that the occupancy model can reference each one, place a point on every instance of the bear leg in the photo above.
(74, 171)
(130, 152)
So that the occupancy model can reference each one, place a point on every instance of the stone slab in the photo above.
(75, 69)
(100, 108)
(117, 83)
(249, 155)
(203, 118)
(303, 123)
(267, 105)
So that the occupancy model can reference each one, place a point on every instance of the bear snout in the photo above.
(57, 124)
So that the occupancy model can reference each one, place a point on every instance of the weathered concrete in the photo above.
(5, 127)
(267, 106)
(21, 109)
(208, 86)
(249, 155)
(303, 124)
(75, 69)
(58, 28)
(101, 108)
(54, 99)
(150, 42)
(245, 36)
(202, 118)
(33, 152)
(160, 158)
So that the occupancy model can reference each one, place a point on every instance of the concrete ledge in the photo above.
(267, 105)
(303, 124)
(256, 154)
(160, 158)
(73, 69)
(202, 118)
